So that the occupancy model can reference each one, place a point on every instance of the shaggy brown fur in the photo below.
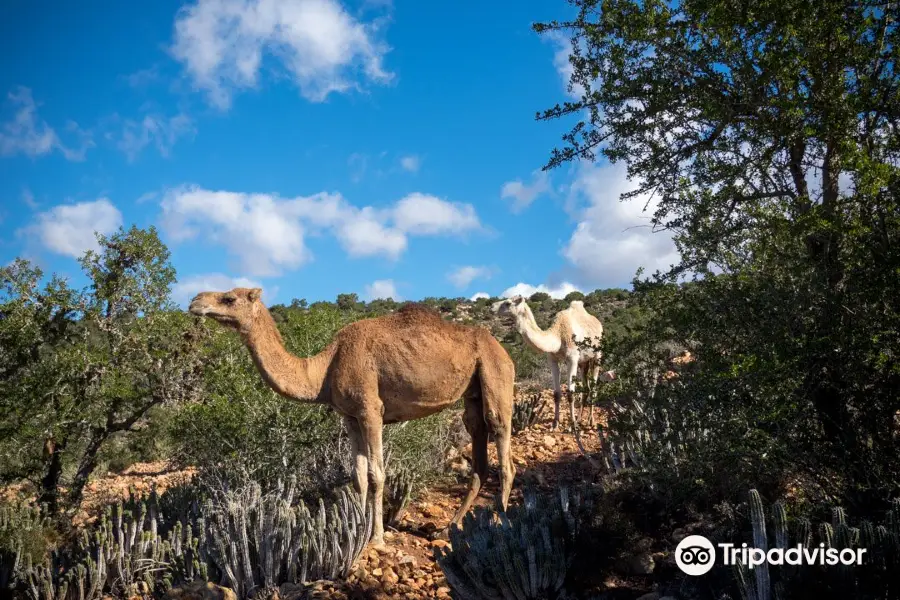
(398, 367)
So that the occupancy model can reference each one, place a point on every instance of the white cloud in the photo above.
(363, 234)
(256, 228)
(423, 214)
(463, 276)
(479, 295)
(154, 129)
(26, 133)
(322, 47)
(69, 229)
(188, 287)
(614, 238)
(267, 233)
(526, 290)
(563, 44)
(523, 194)
(382, 288)
(28, 199)
(410, 163)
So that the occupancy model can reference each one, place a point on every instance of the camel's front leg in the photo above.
(358, 448)
(557, 392)
(571, 366)
(371, 427)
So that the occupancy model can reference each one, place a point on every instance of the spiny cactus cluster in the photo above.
(23, 532)
(876, 577)
(524, 553)
(398, 486)
(527, 412)
(122, 555)
(177, 504)
(645, 428)
(258, 541)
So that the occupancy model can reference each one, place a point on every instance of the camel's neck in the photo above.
(289, 375)
(540, 340)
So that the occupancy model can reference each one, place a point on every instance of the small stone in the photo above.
(549, 442)
(443, 592)
(439, 543)
(377, 572)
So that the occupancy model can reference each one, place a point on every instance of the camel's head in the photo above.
(236, 308)
(514, 306)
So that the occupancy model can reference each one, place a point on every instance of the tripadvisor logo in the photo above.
(696, 555)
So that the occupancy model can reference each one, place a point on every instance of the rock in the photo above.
(443, 592)
(439, 543)
(549, 442)
(200, 590)
(650, 596)
(377, 572)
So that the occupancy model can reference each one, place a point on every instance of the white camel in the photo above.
(560, 343)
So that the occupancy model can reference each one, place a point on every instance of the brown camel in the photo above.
(398, 367)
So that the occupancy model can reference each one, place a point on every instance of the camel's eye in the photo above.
(228, 300)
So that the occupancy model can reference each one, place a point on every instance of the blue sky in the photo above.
(312, 147)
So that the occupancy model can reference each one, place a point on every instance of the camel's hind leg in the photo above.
(473, 418)
(497, 391)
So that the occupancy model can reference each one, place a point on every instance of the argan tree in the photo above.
(78, 368)
(767, 133)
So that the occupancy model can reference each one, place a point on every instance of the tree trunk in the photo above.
(49, 496)
(86, 467)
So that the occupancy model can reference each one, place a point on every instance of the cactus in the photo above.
(524, 553)
(258, 541)
(122, 554)
(23, 532)
(875, 578)
(526, 413)
(399, 486)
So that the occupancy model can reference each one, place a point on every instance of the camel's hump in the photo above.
(415, 309)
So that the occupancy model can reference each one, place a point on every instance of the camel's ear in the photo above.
(254, 294)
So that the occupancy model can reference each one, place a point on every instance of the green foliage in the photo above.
(766, 132)
(81, 368)
(523, 553)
